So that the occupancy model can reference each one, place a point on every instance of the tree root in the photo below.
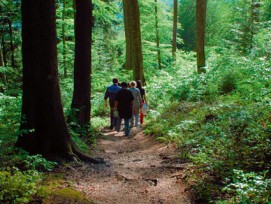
(86, 158)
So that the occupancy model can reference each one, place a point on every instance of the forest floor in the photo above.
(138, 170)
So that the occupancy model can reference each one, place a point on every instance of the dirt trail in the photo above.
(139, 170)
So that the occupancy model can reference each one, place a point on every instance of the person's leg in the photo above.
(136, 120)
(118, 124)
(141, 118)
(136, 115)
(112, 118)
(127, 127)
(132, 119)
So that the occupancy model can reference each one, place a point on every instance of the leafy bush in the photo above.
(248, 188)
(215, 130)
(228, 83)
(18, 186)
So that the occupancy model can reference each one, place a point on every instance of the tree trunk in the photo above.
(200, 33)
(157, 37)
(64, 40)
(82, 62)
(133, 43)
(43, 129)
(254, 9)
(4, 50)
(2, 75)
(11, 42)
(174, 36)
(128, 64)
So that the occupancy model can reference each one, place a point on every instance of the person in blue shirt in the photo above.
(111, 92)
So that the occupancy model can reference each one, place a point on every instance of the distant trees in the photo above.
(10, 32)
(188, 21)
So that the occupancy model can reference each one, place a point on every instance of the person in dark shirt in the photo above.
(111, 92)
(124, 105)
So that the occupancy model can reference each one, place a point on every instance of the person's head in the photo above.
(138, 84)
(129, 84)
(133, 83)
(115, 81)
(124, 85)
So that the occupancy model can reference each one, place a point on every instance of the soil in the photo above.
(138, 170)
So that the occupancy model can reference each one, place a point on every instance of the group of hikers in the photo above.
(126, 101)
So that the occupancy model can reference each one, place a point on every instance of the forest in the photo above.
(206, 69)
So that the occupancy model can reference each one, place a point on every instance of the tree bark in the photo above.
(2, 75)
(127, 19)
(4, 50)
(11, 42)
(64, 53)
(157, 36)
(174, 35)
(82, 62)
(200, 33)
(43, 129)
(134, 57)
(254, 9)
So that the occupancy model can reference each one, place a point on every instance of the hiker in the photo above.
(111, 92)
(137, 102)
(124, 106)
(143, 99)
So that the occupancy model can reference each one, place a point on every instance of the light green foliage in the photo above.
(107, 36)
(222, 121)
(18, 186)
(249, 188)
(148, 32)
(262, 43)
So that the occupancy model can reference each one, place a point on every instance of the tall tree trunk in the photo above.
(43, 127)
(128, 63)
(64, 53)
(11, 42)
(82, 62)
(174, 36)
(4, 52)
(200, 33)
(254, 19)
(135, 57)
(157, 36)
(2, 75)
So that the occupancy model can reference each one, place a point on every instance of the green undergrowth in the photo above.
(221, 124)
